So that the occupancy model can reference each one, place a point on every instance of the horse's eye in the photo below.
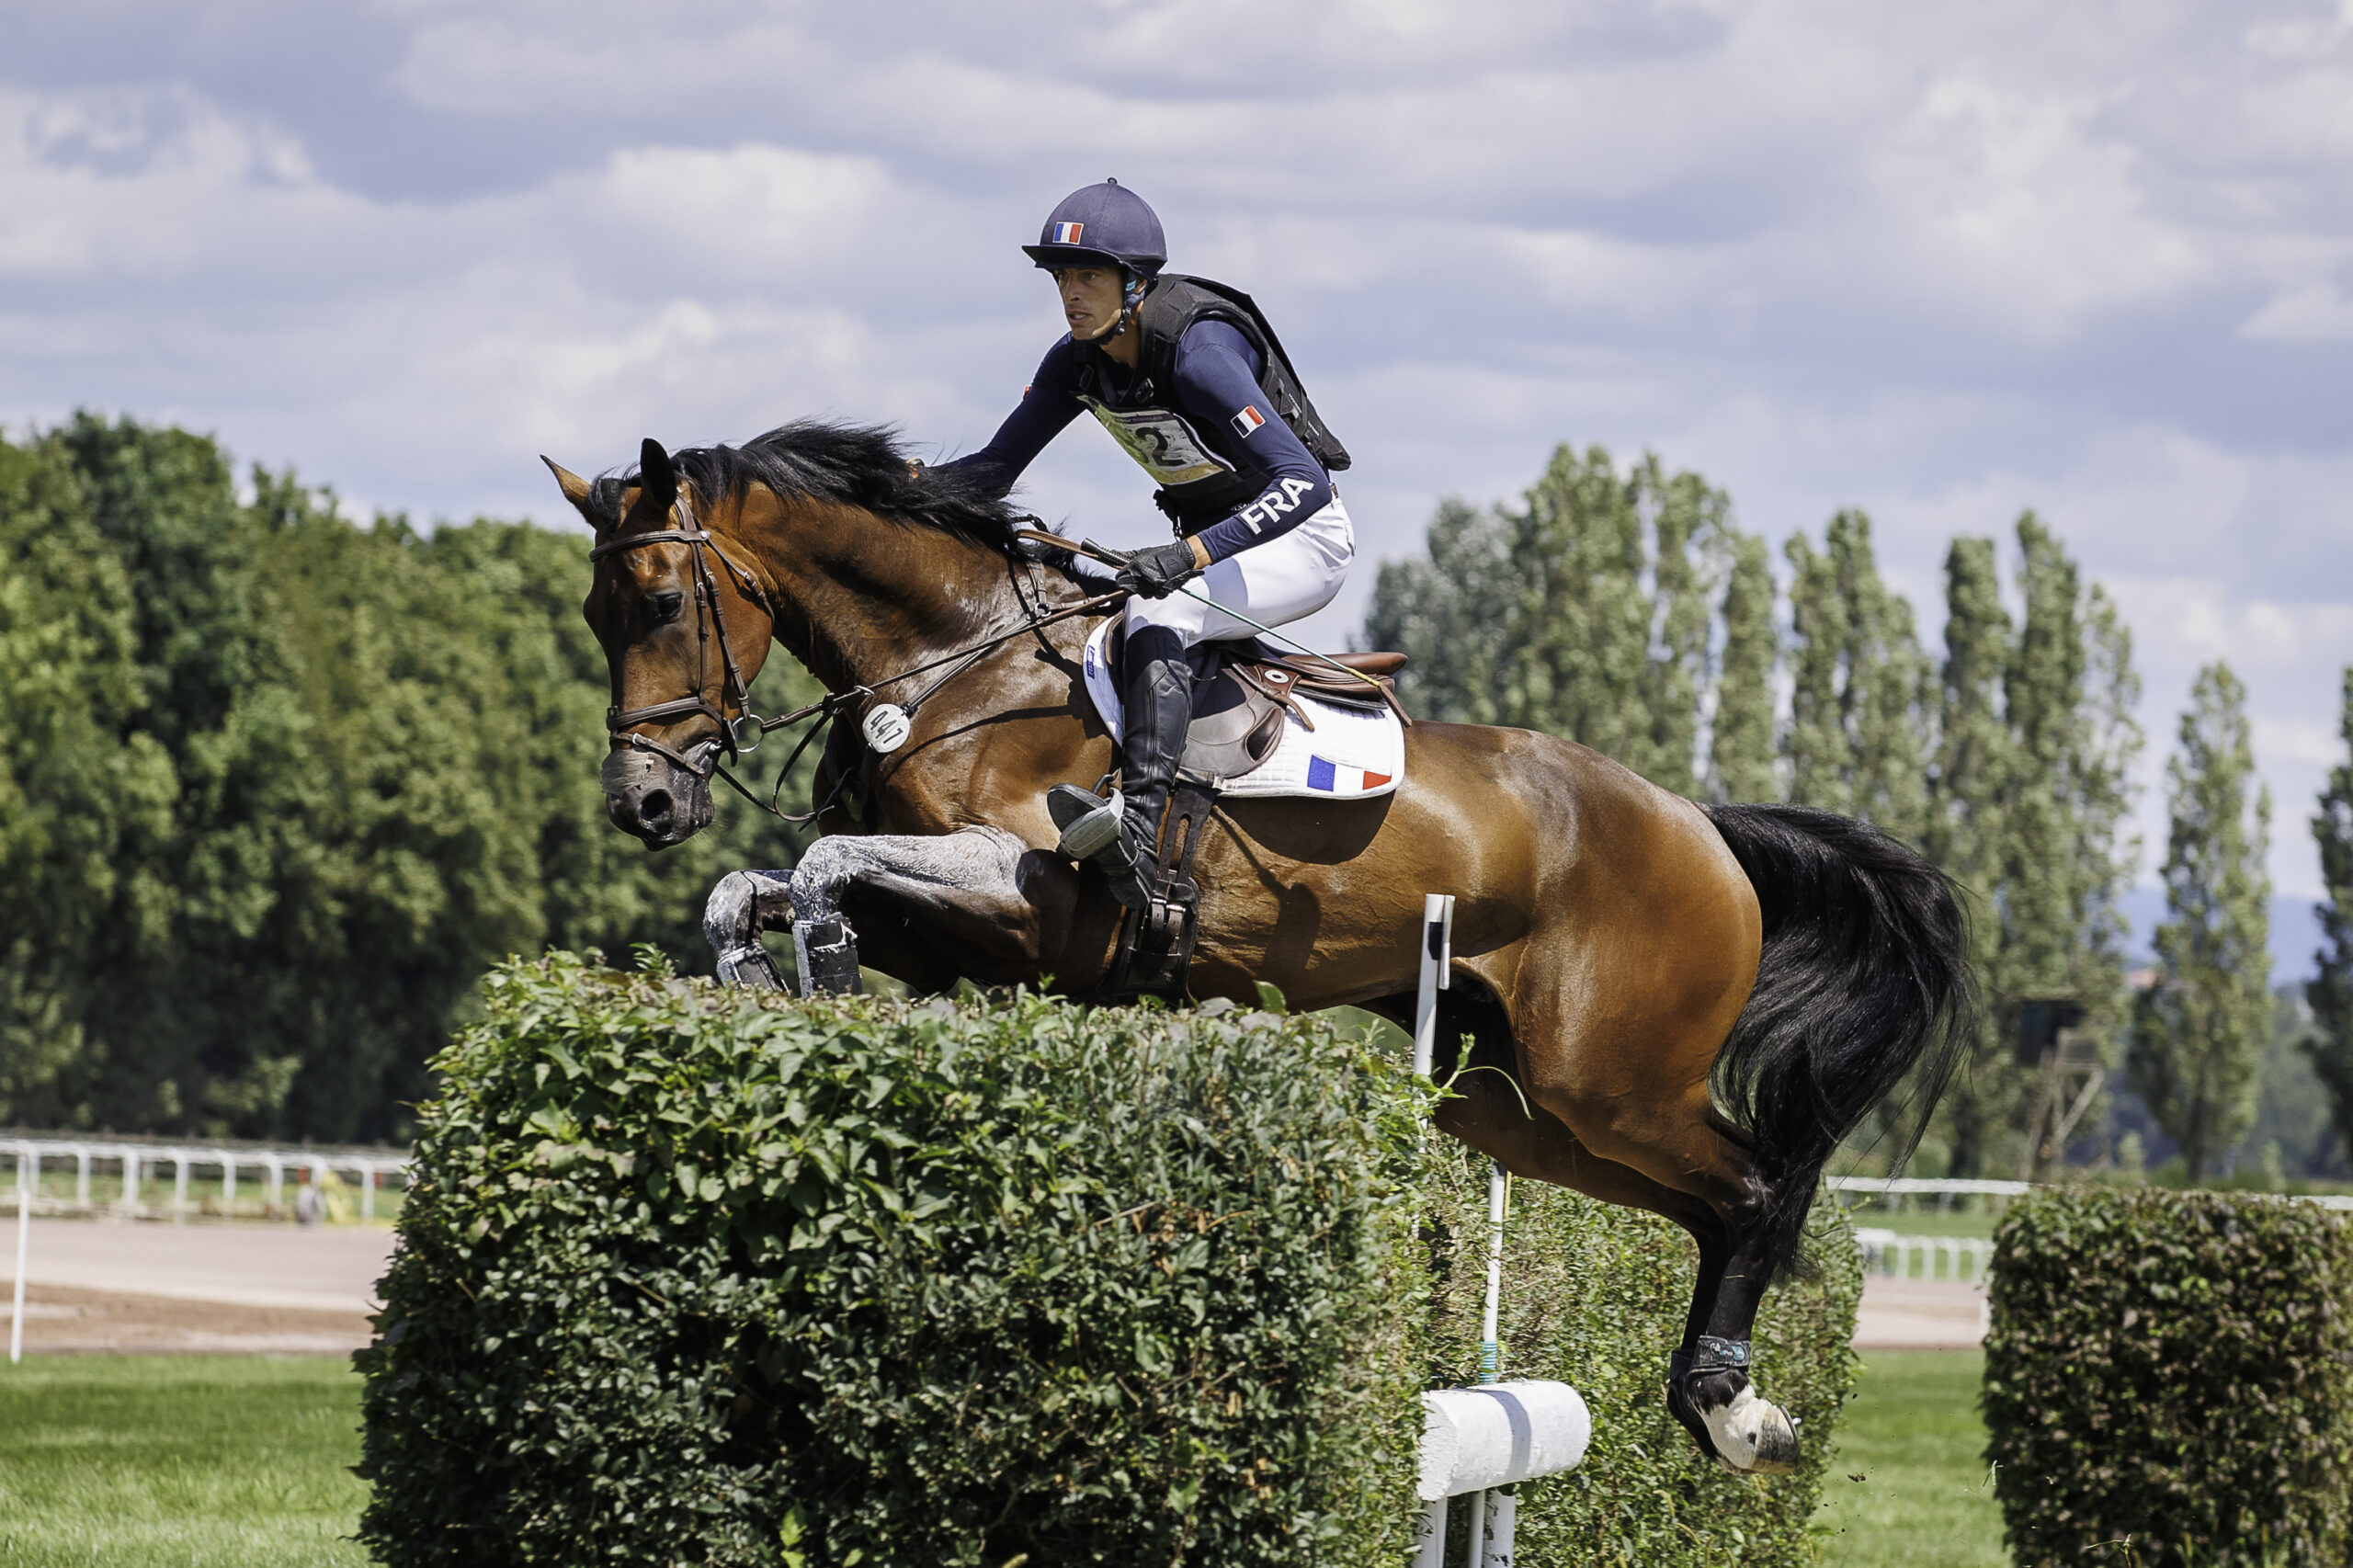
(664, 608)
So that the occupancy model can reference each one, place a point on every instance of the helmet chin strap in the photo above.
(1130, 297)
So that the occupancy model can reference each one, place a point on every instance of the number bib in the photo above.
(1160, 442)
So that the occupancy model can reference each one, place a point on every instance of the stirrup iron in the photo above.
(1089, 823)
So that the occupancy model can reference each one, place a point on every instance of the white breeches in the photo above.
(1291, 576)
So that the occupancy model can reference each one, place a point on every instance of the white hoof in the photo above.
(1753, 1435)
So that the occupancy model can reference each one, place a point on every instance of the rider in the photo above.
(1188, 378)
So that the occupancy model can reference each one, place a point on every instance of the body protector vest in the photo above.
(1198, 486)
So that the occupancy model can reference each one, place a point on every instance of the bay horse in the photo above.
(1692, 1004)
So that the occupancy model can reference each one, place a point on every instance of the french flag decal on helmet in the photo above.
(1068, 233)
(1249, 419)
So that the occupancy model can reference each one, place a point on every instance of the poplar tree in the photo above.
(1857, 709)
(1589, 613)
(2330, 991)
(2199, 1031)
(1972, 772)
(1740, 756)
(2071, 695)
(1448, 613)
(1581, 632)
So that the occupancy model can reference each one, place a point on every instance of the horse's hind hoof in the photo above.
(1753, 1435)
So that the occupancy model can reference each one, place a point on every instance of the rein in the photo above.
(711, 617)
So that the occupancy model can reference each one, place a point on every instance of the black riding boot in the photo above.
(1158, 706)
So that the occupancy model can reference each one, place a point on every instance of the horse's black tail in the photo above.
(1864, 981)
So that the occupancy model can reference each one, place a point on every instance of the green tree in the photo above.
(2200, 1029)
(1581, 633)
(1741, 740)
(1858, 699)
(2330, 991)
(2071, 695)
(1448, 613)
(76, 781)
(1590, 613)
(311, 780)
(1972, 771)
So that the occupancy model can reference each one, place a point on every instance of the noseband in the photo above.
(710, 625)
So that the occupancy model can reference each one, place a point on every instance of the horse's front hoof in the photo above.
(1753, 1435)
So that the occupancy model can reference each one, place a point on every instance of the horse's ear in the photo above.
(657, 480)
(575, 489)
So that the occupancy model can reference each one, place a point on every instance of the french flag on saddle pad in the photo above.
(1322, 773)
(1067, 233)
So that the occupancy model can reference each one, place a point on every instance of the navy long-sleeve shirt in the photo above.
(1215, 419)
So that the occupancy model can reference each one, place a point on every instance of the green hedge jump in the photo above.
(694, 1276)
(2174, 1371)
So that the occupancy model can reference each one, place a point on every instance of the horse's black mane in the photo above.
(857, 465)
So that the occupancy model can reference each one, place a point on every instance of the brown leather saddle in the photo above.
(1242, 689)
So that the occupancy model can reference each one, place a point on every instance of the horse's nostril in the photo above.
(654, 805)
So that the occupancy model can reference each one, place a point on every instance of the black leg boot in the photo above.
(1122, 836)
(1159, 701)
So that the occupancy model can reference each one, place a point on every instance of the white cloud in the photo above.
(1944, 261)
(2313, 313)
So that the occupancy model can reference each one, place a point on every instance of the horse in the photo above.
(1691, 1005)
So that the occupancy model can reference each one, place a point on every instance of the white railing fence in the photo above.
(133, 1167)
(1941, 1257)
(1894, 1191)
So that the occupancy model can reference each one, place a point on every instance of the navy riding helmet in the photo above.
(1100, 224)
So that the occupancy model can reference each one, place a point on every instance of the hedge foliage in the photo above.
(691, 1276)
(2176, 1368)
(1595, 1296)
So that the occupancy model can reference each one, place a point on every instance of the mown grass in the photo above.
(1913, 1435)
(180, 1461)
(214, 1461)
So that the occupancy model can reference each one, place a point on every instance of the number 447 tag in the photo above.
(887, 727)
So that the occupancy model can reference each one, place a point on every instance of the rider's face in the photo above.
(1090, 300)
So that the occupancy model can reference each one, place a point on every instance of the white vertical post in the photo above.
(179, 1184)
(24, 1234)
(367, 1191)
(1489, 1351)
(1438, 954)
(276, 1184)
(82, 1174)
(130, 1178)
(1430, 1546)
(1478, 1529)
(1503, 1521)
(229, 1185)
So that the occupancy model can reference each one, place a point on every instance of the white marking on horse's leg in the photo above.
(971, 862)
(1753, 1435)
(744, 905)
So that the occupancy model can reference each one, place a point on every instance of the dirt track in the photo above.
(101, 1286)
(1920, 1315)
(231, 1290)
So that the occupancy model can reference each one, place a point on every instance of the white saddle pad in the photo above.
(1352, 753)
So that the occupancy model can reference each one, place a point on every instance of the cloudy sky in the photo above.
(1942, 261)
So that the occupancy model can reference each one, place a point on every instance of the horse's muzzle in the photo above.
(654, 800)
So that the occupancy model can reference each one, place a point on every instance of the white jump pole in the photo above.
(1437, 945)
(1475, 1441)
(1438, 955)
(1490, 1350)
(24, 1234)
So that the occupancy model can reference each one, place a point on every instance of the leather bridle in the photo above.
(710, 625)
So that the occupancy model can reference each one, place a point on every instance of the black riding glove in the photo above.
(1156, 572)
